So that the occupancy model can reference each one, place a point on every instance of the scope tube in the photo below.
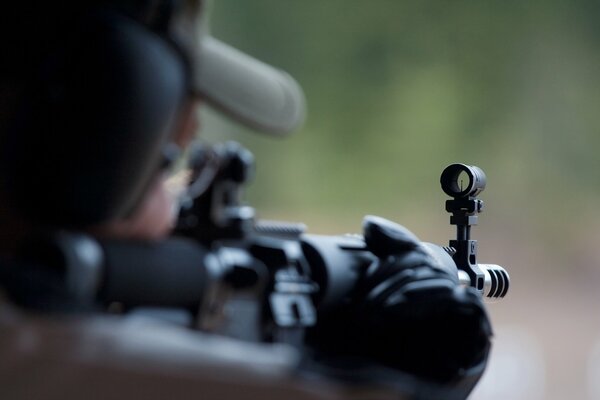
(172, 273)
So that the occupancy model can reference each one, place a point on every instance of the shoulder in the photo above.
(116, 357)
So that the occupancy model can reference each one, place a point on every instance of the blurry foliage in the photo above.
(396, 90)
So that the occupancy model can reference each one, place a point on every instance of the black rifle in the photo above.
(256, 280)
(297, 271)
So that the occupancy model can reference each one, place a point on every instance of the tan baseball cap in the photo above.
(252, 92)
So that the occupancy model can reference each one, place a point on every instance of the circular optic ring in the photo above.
(453, 180)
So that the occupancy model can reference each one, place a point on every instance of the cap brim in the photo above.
(254, 93)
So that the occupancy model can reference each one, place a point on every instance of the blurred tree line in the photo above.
(397, 90)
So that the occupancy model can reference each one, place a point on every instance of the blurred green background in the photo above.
(396, 91)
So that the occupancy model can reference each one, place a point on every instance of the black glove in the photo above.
(408, 312)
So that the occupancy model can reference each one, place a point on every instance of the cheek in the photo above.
(156, 215)
(188, 125)
(152, 220)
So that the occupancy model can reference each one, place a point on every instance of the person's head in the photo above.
(96, 98)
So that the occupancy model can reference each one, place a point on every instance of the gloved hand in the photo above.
(408, 312)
